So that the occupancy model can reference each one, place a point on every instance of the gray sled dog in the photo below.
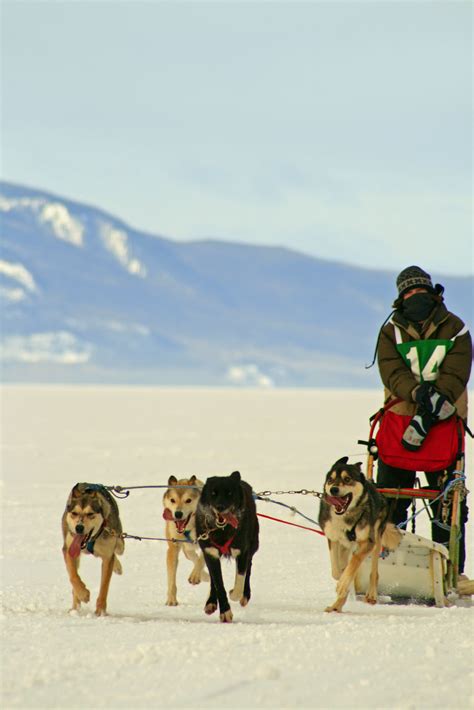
(354, 518)
(91, 525)
(180, 503)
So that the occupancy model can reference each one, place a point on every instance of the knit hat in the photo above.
(413, 277)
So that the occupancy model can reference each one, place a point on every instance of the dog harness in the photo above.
(225, 548)
(88, 543)
(351, 534)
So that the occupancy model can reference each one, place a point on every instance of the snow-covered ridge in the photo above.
(63, 225)
(116, 241)
(60, 347)
(53, 214)
(19, 273)
(13, 203)
(14, 295)
(248, 376)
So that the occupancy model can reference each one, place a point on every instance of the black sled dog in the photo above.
(227, 525)
(354, 518)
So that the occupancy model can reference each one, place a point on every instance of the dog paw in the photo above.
(210, 608)
(333, 607)
(235, 595)
(194, 578)
(82, 593)
(172, 602)
(101, 611)
(227, 617)
(370, 600)
(244, 601)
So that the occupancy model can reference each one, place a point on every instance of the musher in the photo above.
(424, 358)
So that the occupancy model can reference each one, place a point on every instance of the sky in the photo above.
(340, 129)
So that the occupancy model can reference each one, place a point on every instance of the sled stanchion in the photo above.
(454, 534)
(370, 467)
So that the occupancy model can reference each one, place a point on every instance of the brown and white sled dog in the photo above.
(91, 525)
(180, 502)
(354, 518)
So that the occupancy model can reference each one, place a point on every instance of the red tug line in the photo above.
(295, 525)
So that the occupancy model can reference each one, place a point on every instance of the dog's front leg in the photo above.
(80, 593)
(241, 559)
(371, 596)
(171, 567)
(247, 592)
(334, 556)
(348, 575)
(107, 569)
(217, 586)
(197, 575)
(241, 591)
(211, 604)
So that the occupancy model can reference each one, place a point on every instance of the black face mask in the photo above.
(418, 307)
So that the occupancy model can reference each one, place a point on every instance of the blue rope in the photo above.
(160, 539)
(443, 494)
(290, 507)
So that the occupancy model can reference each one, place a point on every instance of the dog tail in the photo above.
(117, 565)
(391, 537)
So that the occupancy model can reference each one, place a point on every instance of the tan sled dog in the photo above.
(91, 525)
(180, 502)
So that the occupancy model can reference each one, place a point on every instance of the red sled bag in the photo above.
(438, 451)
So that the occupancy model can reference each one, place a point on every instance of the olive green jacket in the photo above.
(453, 374)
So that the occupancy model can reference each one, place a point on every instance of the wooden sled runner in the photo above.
(416, 570)
(420, 569)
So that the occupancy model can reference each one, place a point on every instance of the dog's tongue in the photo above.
(337, 501)
(181, 524)
(230, 519)
(76, 546)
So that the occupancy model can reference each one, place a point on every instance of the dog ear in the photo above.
(192, 480)
(204, 499)
(172, 481)
(105, 507)
(235, 476)
(75, 492)
(342, 461)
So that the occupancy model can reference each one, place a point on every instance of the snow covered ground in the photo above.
(282, 650)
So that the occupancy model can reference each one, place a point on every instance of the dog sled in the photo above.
(420, 569)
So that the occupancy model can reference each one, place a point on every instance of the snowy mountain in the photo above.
(86, 298)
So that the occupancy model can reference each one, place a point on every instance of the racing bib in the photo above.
(424, 357)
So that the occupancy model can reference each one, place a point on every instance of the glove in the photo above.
(433, 402)
(417, 430)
